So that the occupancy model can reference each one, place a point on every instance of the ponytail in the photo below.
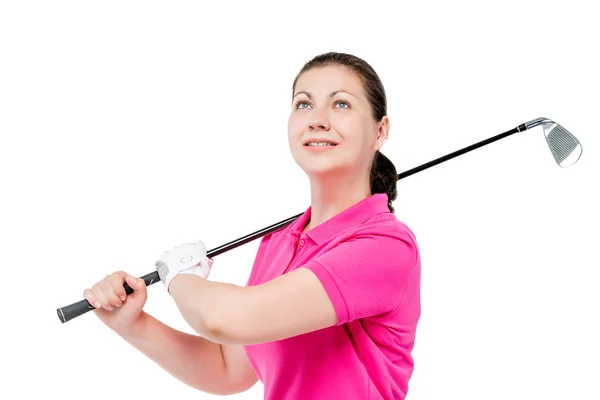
(383, 178)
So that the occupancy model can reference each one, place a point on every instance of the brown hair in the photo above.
(383, 175)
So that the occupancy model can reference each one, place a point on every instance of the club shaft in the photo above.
(462, 151)
(83, 306)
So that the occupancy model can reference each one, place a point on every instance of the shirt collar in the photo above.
(354, 215)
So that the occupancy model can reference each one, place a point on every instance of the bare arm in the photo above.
(289, 305)
(194, 360)
(241, 373)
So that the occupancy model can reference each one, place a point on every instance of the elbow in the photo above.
(211, 329)
(222, 333)
(218, 334)
(202, 326)
(200, 323)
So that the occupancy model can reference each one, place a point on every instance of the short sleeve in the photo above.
(366, 275)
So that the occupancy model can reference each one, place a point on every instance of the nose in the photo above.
(319, 120)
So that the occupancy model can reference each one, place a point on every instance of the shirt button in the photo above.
(302, 242)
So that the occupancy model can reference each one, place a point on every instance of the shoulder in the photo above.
(386, 225)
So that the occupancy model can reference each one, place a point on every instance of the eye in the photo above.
(346, 105)
(299, 103)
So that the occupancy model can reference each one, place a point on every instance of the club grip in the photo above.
(71, 311)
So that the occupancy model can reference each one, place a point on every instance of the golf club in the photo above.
(565, 149)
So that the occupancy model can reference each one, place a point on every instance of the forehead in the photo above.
(328, 79)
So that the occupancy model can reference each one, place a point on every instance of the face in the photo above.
(330, 104)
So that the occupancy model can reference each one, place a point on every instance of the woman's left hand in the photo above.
(188, 258)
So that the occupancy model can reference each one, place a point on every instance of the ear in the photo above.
(382, 133)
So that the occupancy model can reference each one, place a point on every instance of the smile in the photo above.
(320, 147)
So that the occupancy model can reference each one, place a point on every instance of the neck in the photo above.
(331, 195)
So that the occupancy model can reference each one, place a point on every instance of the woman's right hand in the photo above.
(113, 306)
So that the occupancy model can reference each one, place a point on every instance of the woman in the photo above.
(332, 303)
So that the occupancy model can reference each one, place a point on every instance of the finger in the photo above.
(137, 284)
(117, 279)
(89, 296)
(98, 291)
(109, 292)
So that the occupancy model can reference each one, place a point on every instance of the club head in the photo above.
(565, 147)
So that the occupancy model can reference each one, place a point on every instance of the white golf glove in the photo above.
(188, 258)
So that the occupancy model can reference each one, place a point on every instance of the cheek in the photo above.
(352, 130)
(294, 127)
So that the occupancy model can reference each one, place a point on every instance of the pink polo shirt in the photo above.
(368, 263)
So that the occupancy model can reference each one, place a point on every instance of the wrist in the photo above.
(135, 328)
(197, 271)
(189, 258)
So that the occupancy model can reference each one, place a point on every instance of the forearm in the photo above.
(194, 360)
(204, 304)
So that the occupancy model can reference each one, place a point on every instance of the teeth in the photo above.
(320, 144)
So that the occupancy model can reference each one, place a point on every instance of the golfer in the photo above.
(331, 306)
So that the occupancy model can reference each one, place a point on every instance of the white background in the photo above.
(131, 127)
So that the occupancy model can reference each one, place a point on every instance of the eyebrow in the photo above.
(330, 95)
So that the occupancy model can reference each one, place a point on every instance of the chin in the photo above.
(320, 169)
(319, 164)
